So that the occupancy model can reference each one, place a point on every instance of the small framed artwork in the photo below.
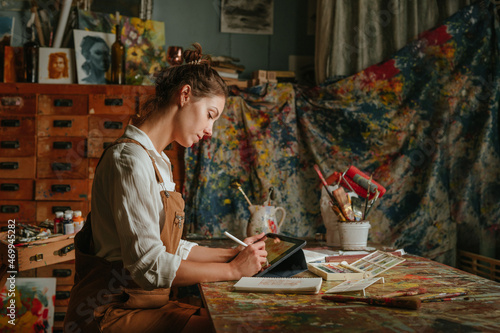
(247, 16)
(56, 65)
(93, 56)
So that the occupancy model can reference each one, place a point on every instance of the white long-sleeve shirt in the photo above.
(127, 211)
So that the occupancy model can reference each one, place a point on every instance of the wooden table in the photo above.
(258, 312)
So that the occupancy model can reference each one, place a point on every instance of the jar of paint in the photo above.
(77, 220)
(68, 224)
(58, 223)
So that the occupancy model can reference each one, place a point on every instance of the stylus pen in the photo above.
(235, 239)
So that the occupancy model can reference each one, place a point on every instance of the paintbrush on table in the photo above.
(408, 302)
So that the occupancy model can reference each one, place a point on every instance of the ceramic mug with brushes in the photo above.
(265, 219)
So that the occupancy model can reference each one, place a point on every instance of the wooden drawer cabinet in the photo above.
(112, 104)
(11, 146)
(21, 211)
(69, 147)
(16, 189)
(17, 125)
(47, 209)
(51, 138)
(63, 104)
(59, 314)
(61, 190)
(18, 103)
(62, 167)
(17, 167)
(62, 125)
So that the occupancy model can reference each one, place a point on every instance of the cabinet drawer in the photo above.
(21, 211)
(92, 166)
(18, 104)
(62, 104)
(97, 145)
(62, 295)
(64, 146)
(16, 189)
(61, 190)
(107, 126)
(17, 167)
(47, 209)
(61, 125)
(112, 104)
(62, 167)
(64, 273)
(15, 125)
(59, 314)
(17, 146)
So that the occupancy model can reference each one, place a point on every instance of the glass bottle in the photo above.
(118, 59)
(31, 59)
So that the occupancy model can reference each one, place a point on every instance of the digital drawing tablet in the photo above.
(284, 255)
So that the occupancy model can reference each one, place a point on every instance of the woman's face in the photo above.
(99, 56)
(58, 65)
(196, 119)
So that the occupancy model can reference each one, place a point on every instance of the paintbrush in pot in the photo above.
(323, 181)
(237, 185)
(367, 196)
(343, 202)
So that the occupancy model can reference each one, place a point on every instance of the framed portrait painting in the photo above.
(93, 56)
(56, 65)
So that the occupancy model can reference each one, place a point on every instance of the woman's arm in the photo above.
(247, 263)
(206, 254)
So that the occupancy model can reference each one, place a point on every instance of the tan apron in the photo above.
(106, 299)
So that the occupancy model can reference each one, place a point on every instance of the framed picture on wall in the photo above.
(56, 65)
(93, 56)
(247, 16)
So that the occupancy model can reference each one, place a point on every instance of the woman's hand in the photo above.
(252, 239)
(249, 261)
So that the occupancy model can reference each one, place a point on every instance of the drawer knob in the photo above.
(12, 101)
(10, 144)
(9, 165)
(62, 145)
(9, 209)
(11, 123)
(61, 294)
(59, 316)
(63, 102)
(61, 188)
(63, 123)
(60, 208)
(61, 166)
(113, 101)
(61, 273)
(9, 187)
(113, 125)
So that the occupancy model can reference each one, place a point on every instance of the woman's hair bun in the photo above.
(195, 57)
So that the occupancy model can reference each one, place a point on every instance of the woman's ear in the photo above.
(185, 94)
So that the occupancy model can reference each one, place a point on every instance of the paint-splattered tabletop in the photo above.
(259, 312)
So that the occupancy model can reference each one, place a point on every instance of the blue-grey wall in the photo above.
(190, 21)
